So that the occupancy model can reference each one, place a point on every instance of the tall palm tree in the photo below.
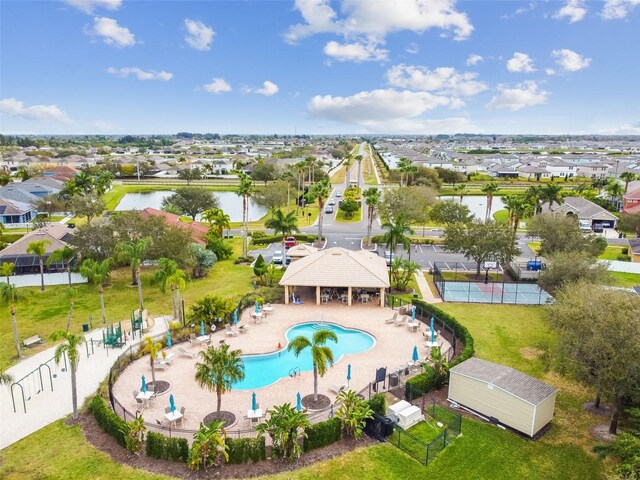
(321, 355)
(63, 255)
(489, 189)
(459, 189)
(169, 275)
(133, 253)
(72, 352)
(615, 190)
(218, 370)
(519, 207)
(39, 248)
(140, 297)
(321, 192)
(397, 231)
(551, 194)
(283, 223)
(359, 159)
(627, 177)
(220, 221)
(177, 282)
(71, 294)
(150, 346)
(9, 294)
(404, 165)
(534, 196)
(372, 197)
(299, 167)
(98, 274)
(6, 270)
(287, 175)
(244, 190)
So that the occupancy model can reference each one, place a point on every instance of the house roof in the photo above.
(55, 233)
(14, 207)
(584, 207)
(301, 250)
(338, 267)
(634, 243)
(508, 379)
(198, 230)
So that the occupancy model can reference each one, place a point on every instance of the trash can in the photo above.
(393, 380)
(85, 327)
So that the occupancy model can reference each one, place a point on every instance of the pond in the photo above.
(477, 204)
(229, 202)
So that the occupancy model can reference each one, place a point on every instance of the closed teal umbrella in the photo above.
(299, 402)
(168, 339)
(254, 404)
(172, 403)
(415, 356)
(348, 374)
(235, 316)
(143, 388)
(202, 328)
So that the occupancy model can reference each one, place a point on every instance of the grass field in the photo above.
(610, 253)
(341, 216)
(626, 280)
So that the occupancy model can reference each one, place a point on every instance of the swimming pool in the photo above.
(263, 370)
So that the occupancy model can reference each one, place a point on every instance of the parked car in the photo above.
(289, 242)
(338, 194)
(328, 209)
(597, 228)
(331, 202)
(278, 257)
(387, 257)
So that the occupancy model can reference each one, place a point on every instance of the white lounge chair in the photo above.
(338, 389)
(161, 365)
(392, 319)
(243, 328)
(401, 321)
(231, 331)
(185, 353)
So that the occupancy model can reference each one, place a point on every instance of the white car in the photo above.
(278, 257)
(387, 257)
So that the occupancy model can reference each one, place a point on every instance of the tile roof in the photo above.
(198, 230)
(55, 233)
(301, 250)
(584, 207)
(338, 267)
(508, 379)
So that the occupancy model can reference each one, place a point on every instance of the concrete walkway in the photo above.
(46, 406)
(427, 296)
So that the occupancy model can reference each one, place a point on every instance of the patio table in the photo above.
(145, 397)
(413, 326)
(173, 416)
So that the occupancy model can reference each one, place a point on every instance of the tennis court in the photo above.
(479, 292)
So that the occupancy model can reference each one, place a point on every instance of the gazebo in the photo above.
(337, 268)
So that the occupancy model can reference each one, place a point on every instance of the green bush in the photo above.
(241, 450)
(322, 434)
(623, 258)
(625, 251)
(378, 403)
(108, 421)
(422, 383)
(268, 239)
(161, 446)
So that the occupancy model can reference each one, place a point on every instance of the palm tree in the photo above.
(71, 294)
(98, 274)
(133, 253)
(459, 189)
(372, 198)
(209, 442)
(169, 275)
(518, 207)
(219, 370)
(359, 159)
(615, 190)
(282, 223)
(396, 232)
(627, 177)
(299, 167)
(23, 174)
(63, 255)
(9, 294)
(321, 191)
(221, 221)
(71, 350)
(244, 190)
(150, 346)
(285, 426)
(287, 175)
(321, 355)
(551, 194)
(404, 165)
(489, 189)
(534, 196)
(6, 270)
(177, 282)
(39, 248)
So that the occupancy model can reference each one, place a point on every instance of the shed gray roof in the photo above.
(509, 379)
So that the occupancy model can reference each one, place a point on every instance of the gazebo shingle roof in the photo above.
(338, 267)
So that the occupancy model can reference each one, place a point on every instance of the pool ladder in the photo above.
(295, 371)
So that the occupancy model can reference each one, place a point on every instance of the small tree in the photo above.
(284, 223)
(210, 307)
(321, 355)
(353, 413)
(98, 274)
(71, 349)
(39, 248)
(9, 294)
(285, 426)
(192, 200)
(401, 272)
(135, 435)
(204, 260)
(64, 255)
(6, 270)
(218, 370)
(71, 294)
(260, 267)
(150, 346)
(449, 212)
(133, 253)
(349, 207)
(566, 268)
(209, 444)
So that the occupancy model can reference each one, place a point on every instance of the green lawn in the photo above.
(610, 253)
(341, 217)
(501, 216)
(626, 280)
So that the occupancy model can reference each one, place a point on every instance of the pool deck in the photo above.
(393, 348)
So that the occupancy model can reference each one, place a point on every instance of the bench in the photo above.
(32, 341)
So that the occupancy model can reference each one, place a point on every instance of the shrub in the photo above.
(322, 434)
(222, 249)
(378, 404)
(108, 421)
(422, 383)
(268, 239)
(241, 450)
(623, 258)
(625, 251)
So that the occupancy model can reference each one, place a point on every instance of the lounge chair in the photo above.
(139, 402)
(399, 322)
(192, 339)
(231, 331)
(243, 328)
(338, 389)
(392, 319)
(161, 365)
(185, 353)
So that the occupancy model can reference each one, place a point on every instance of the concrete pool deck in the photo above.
(393, 348)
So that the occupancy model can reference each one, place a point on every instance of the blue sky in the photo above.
(314, 66)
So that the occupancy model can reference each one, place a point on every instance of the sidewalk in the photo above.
(427, 296)
(45, 407)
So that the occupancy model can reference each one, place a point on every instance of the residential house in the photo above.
(13, 212)
(631, 199)
(531, 172)
(593, 170)
(584, 209)
(198, 230)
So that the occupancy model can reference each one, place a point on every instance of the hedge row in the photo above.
(161, 446)
(423, 383)
(108, 421)
(268, 239)
(459, 330)
(322, 434)
(241, 450)
(379, 239)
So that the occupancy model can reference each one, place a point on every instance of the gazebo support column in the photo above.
(382, 297)
(318, 295)
(286, 294)
(349, 296)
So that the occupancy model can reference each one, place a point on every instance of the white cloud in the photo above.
(569, 60)
(356, 52)
(140, 74)
(111, 32)
(88, 6)
(474, 59)
(217, 85)
(103, 126)
(626, 129)
(39, 113)
(617, 9)
(268, 88)
(525, 94)
(527, 8)
(199, 35)
(412, 48)
(444, 80)
(374, 20)
(575, 10)
(520, 62)
(550, 71)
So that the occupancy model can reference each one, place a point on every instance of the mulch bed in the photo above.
(320, 404)
(227, 417)
(163, 386)
(601, 432)
(107, 444)
(591, 408)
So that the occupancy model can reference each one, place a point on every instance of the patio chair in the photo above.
(181, 419)
(337, 389)
(231, 331)
(184, 353)
(392, 319)
(243, 328)
(192, 338)
(161, 365)
(167, 409)
(399, 322)
(139, 402)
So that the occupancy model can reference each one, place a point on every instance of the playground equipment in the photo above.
(33, 382)
(112, 336)
(136, 324)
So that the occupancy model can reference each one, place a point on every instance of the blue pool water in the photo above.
(263, 370)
